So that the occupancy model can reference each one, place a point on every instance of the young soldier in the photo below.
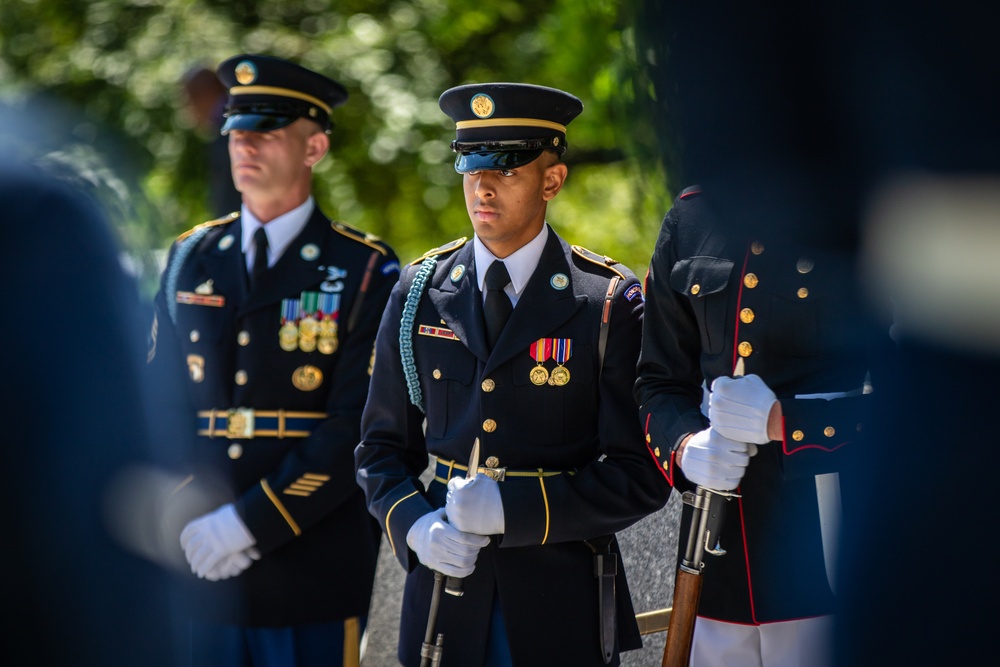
(545, 393)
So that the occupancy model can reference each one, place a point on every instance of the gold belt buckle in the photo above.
(240, 423)
(493, 469)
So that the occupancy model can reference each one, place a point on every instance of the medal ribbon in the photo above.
(309, 300)
(329, 304)
(563, 351)
(289, 310)
(541, 349)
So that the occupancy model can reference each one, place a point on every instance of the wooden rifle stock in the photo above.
(706, 523)
(680, 631)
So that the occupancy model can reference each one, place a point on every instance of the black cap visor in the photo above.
(467, 162)
(255, 122)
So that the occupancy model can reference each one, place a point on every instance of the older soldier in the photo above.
(546, 393)
(273, 312)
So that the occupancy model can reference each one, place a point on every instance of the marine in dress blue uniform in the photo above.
(550, 404)
(277, 376)
(715, 296)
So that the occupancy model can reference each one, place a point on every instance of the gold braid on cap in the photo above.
(281, 92)
(509, 122)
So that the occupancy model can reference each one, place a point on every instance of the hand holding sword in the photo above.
(441, 546)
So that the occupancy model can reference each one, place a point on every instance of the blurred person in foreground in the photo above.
(526, 345)
(884, 146)
(778, 436)
(271, 313)
(75, 429)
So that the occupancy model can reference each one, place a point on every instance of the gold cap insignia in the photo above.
(482, 105)
(246, 72)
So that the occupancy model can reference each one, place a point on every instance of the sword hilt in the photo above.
(453, 586)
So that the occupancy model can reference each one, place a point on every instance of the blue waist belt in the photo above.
(250, 423)
(445, 470)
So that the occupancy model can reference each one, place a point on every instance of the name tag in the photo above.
(192, 299)
(436, 332)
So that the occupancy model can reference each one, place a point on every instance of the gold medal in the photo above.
(539, 375)
(288, 337)
(560, 376)
(327, 344)
(540, 350)
(308, 327)
(562, 351)
(307, 343)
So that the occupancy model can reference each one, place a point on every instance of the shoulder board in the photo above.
(600, 260)
(369, 240)
(690, 191)
(211, 223)
(440, 250)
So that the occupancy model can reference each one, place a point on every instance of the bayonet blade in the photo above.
(473, 461)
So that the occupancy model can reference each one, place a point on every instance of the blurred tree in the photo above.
(119, 62)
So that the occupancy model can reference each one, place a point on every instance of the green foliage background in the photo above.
(105, 76)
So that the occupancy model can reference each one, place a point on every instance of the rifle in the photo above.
(706, 521)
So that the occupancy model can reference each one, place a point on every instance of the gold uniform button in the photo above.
(195, 335)
(829, 431)
(241, 377)
(798, 435)
(756, 247)
(235, 451)
(804, 265)
(750, 280)
(657, 452)
(243, 338)
(803, 292)
(649, 439)
(436, 374)
(695, 289)
(489, 426)
(489, 385)
(492, 462)
(746, 316)
(745, 349)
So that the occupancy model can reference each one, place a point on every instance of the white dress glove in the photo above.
(208, 539)
(714, 461)
(233, 565)
(738, 408)
(474, 505)
(442, 547)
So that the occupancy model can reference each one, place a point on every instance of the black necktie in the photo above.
(260, 256)
(497, 307)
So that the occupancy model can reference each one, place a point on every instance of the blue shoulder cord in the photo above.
(406, 331)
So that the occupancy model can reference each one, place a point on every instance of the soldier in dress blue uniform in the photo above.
(273, 311)
(779, 435)
(547, 396)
